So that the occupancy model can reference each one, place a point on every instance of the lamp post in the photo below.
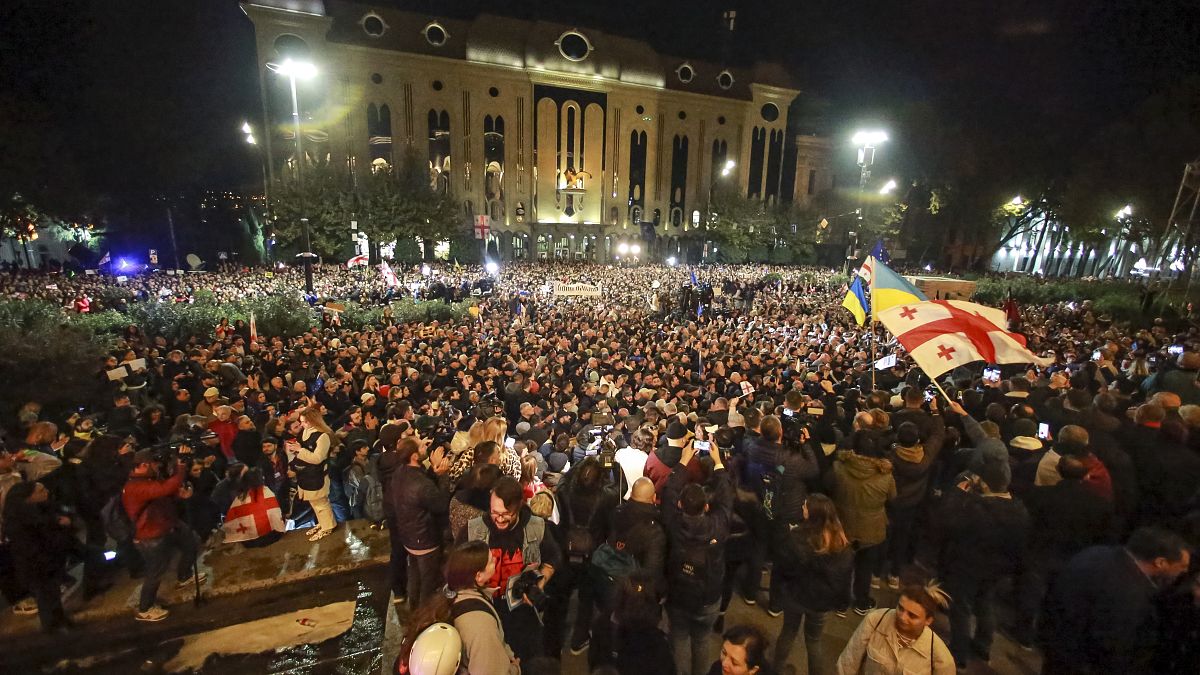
(248, 130)
(304, 70)
(866, 142)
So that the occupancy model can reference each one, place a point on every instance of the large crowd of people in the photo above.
(603, 474)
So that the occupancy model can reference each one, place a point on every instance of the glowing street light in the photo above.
(491, 267)
(636, 249)
(1017, 201)
(303, 70)
(250, 140)
(246, 129)
(728, 168)
(887, 187)
(672, 261)
(869, 138)
(1124, 212)
(623, 248)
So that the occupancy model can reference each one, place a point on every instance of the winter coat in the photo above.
(912, 467)
(860, 487)
(1067, 518)
(709, 531)
(981, 537)
(150, 505)
(419, 505)
(640, 526)
(38, 542)
(817, 582)
(792, 469)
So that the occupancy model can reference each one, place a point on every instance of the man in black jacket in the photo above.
(419, 505)
(1064, 519)
(1100, 614)
(698, 528)
(984, 531)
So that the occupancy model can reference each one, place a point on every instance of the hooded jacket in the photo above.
(913, 465)
(860, 487)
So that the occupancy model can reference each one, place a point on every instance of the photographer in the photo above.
(149, 501)
(520, 548)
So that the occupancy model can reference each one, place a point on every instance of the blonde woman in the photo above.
(311, 467)
(495, 429)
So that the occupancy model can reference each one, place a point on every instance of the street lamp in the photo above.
(303, 70)
(866, 141)
(887, 187)
(1017, 201)
(1124, 212)
(623, 248)
(636, 249)
(728, 168)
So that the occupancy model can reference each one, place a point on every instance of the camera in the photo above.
(526, 585)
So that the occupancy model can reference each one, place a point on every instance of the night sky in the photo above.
(133, 96)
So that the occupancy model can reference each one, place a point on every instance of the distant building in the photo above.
(570, 139)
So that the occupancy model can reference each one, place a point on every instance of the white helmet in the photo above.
(436, 651)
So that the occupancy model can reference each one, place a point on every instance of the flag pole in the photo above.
(943, 391)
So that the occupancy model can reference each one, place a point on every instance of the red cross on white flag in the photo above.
(944, 334)
(482, 226)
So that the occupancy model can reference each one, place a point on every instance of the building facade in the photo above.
(570, 140)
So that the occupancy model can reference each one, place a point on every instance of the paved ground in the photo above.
(317, 609)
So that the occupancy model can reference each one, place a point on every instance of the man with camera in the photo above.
(149, 501)
(525, 559)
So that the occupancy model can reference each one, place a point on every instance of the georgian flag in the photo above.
(942, 335)
(357, 261)
(389, 277)
(253, 516)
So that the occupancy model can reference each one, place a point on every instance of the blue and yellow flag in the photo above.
(889, 289)
(856, 301)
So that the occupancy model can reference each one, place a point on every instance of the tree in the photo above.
(326, 198)
(20, 221)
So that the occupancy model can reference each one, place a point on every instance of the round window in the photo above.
(770, 112)
(376, 78)
(574, 46)
(685, 73)
(720, 119)
(373, 25)
(725, 79)
(435, 34)
(437, 85)
(288, 46)
(682, 115)
(640, 109)
(493, 92)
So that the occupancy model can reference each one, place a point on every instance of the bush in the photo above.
(45, 357)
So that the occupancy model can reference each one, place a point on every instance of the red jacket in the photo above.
(150, 505)
(225, 431)
(1098, 480)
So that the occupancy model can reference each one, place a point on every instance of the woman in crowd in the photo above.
(311, 466)
(637, 639)
(816, 563)
(465, 603)
(743, 652)
(471, 498)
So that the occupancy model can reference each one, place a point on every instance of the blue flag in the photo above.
(880, 253)
(694, 282)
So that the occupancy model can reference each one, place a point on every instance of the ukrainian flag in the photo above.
(856, 301)
(889, 289)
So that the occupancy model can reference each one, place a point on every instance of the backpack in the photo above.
(580, 542)
(772, 490)
(116, 521)
(609, 563)
(457, 609)
(688, 572)
(373, 504)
